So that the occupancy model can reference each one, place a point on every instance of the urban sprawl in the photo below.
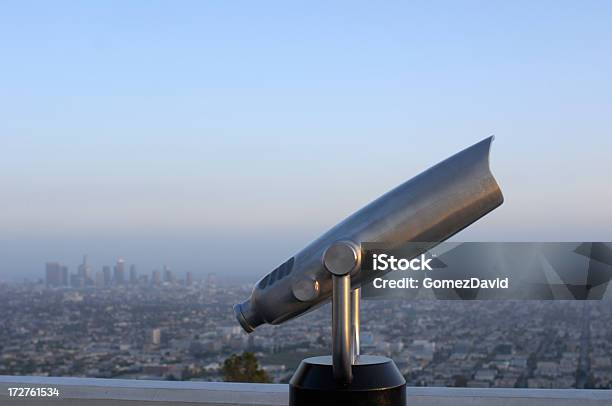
(119, 323)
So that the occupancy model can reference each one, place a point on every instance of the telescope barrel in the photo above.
(430, 207)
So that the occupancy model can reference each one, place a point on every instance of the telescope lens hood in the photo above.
(248, 319)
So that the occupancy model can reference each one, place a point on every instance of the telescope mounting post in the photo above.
(346, 378)
(340, 260)
(355, 306)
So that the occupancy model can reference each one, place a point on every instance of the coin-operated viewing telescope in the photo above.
(429, 208)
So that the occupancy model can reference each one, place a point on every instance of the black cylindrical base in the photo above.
(376, 381)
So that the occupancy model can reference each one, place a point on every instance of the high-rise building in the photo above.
(155, 277)
(77, 281)
(53, 274)
(119, 275)
(100, 280)
(133, 275)
(168, 276)
(85, 273)
(65, 277)
(106, 271)
(189, 278)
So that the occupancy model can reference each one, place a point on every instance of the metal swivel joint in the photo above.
(341, 259)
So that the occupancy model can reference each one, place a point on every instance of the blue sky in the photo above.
(188, 133)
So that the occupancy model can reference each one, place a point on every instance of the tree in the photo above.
(244, 368)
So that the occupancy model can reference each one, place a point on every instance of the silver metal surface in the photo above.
(342, 258)
(341, 328)
(430, 207)
(355, 323)
(305, 289)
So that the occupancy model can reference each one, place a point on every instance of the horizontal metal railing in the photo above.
(122, 392)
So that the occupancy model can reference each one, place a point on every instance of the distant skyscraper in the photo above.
(65, 280)
(119, 276)
(53, 274)
(84, 272)
(155, 277)
(77, 281)
(188, 278)
(100, 280)
(168, 277)
(133, 275)
(106, 271)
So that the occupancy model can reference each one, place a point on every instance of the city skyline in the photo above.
(196, 133)
(58, 274)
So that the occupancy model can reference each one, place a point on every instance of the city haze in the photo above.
(224, 137)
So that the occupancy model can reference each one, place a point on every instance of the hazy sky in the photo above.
(226, 135)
